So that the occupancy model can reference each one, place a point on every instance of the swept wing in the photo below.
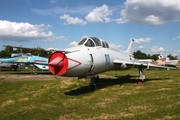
(136, 63)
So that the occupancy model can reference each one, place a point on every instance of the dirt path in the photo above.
(18, 77)
(24, 77)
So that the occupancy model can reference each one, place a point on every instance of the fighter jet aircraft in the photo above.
(12, 65)
(162, 61)
(9, 65)
(93, 56)
(36, 61)
(168, 62)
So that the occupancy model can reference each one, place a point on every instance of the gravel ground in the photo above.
(19, 77)
(24, 77)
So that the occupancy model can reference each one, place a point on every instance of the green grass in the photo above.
(118, 97)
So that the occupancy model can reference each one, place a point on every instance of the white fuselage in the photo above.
(93, 60)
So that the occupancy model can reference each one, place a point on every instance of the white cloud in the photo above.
(142, 40)
(150, 12)
(71, 20)
(53, 38)
(52, 49)
(178, 37)
(177, 51)
(72, 44)
(84, 36)
(53, 1)
(157, 49)
(174, 39)
(141, 47)
(120, 46)
(24, 32)
(99, 14)
(121, 21)
(81, 10)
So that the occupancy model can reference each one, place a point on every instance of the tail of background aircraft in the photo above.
(130, 48)
(42, 67)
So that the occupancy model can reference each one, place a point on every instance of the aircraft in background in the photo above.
(27, 58)
(14, 66)
(173, 62)
(9, 65)
(168, 62)
(162, 61)
(93, 56)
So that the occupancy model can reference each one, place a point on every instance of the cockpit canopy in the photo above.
(93, 41)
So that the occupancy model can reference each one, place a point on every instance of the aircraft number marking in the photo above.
(107, 59)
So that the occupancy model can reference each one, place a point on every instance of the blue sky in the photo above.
(154, 24)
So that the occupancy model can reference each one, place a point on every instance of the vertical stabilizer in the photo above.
(130, 48)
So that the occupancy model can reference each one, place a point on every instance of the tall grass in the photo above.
(117, 97)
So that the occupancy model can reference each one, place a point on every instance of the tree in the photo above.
(9, 49)
(172, 57)
(155, 56)
(7, 52)
(139, 55)
(18, 50)
(3, 54)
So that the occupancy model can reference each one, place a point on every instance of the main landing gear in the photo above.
(141, 75)
(95, 78)
(33, 70)
(92, 85)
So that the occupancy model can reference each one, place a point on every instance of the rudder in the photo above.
(130, 47)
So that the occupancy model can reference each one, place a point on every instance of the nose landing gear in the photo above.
(92, 85)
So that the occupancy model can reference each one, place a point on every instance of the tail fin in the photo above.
(130, 48)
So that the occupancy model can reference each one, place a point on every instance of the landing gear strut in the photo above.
(141, 75)
(33, 70)
(92, 85)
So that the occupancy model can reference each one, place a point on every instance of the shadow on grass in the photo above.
(105, 82)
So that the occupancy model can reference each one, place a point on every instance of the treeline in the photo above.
(139, 55)
(41, 52)
(36, 51)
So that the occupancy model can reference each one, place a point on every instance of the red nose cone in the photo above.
(58, 63)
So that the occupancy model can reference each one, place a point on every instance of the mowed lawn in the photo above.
(117, 97)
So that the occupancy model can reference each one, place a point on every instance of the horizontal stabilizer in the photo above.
(42, 67)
